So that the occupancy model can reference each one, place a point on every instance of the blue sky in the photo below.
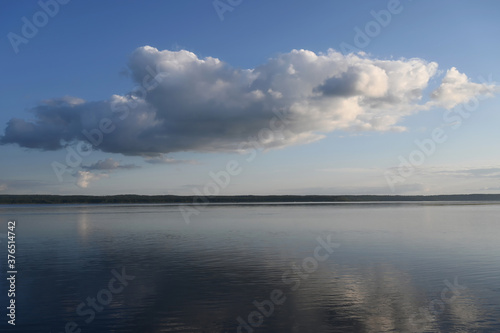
(348, 123)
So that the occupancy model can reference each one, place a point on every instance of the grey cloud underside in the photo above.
(185, 103)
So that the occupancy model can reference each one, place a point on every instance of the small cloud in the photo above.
(456, 88)
(3, 187)
(83, 178)
(108, 164)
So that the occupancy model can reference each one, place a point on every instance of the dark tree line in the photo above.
(132, 198)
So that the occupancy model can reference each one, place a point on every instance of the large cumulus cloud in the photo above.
(185, 103)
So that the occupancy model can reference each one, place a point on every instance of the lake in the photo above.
(350, 267)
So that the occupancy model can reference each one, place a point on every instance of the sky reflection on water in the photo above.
(399, 268)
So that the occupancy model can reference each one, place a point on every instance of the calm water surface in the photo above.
(371, 267)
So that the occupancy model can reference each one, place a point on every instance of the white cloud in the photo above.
(456, 88)
(83, 178)
(205, 105)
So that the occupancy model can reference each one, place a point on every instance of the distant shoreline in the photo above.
(180, 199)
